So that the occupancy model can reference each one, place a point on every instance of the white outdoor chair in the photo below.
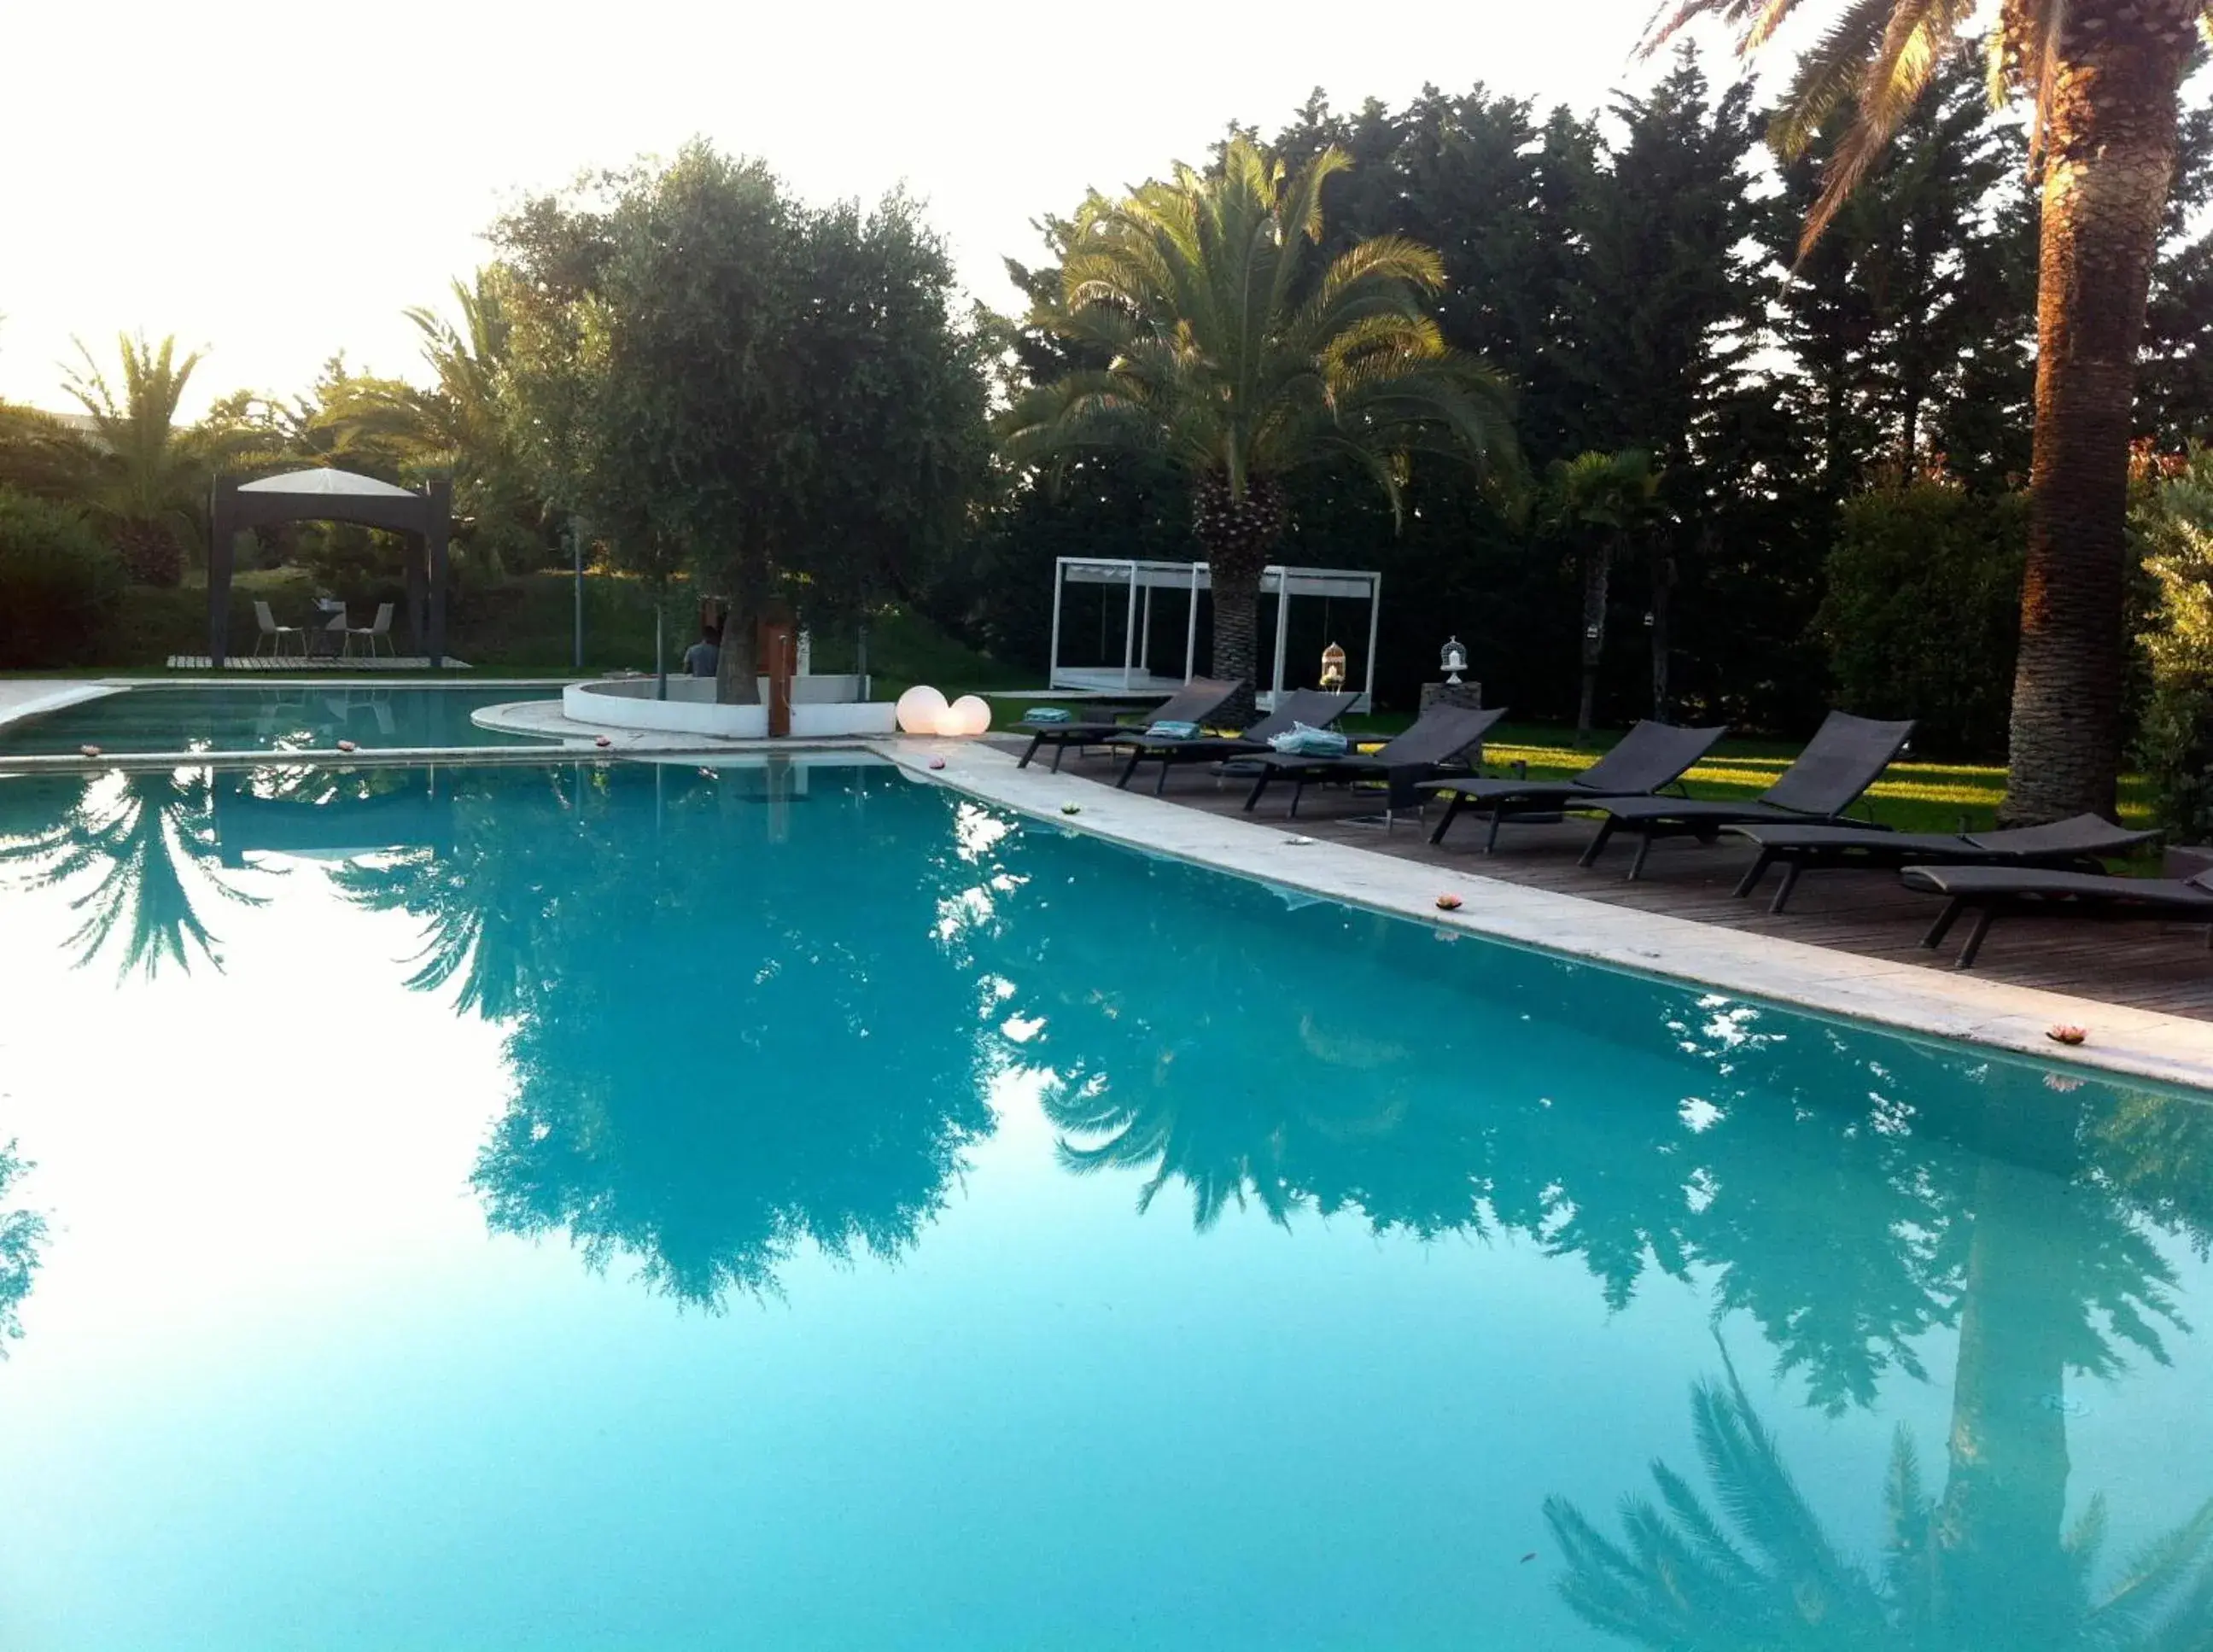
(270, 634)
(379, 627)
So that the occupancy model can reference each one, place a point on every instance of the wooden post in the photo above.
(223, 533)
(776, 652)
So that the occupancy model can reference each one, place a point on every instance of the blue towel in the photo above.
(1300, 740)
(1050, 714)
(1174, 731)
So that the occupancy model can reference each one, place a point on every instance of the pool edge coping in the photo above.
(63, 694)
(1906, 998)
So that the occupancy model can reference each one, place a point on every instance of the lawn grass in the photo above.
(1912, 795)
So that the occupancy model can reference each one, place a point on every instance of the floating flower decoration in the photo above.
(936, 762)
(1447, 903)
(603, 741)
(2065, 1034)
(90, 751)
(347, 746)
(1071, 808)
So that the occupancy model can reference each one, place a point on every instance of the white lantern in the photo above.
(919, 709)
(949, 722)
(974, 713)
(1453, 658)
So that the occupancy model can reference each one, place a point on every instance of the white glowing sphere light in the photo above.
(974, 712)
(919, 710)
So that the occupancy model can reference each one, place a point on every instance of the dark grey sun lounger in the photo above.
(1987, 891)
(1195, 702)
(1843, 759)
(1317, 708)
(2079, 844)
(1422, 753)
(1650, 756)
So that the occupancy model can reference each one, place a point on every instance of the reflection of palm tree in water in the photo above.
(138, 832)
(22, 1234)
(2055, 1269)
(726, 1045)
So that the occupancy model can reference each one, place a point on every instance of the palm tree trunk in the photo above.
(1237, 533)
(2111, 138)
(1598, 568)
(2005, 1580)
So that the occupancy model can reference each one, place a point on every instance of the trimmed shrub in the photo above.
(150, 553)
(1923, 614)
(59, 585)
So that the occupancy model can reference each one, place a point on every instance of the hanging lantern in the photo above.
(1332, 667)
(1453, 658)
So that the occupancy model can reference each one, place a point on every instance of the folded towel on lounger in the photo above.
(1300, 740)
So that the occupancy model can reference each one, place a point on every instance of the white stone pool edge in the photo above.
(34, 697)
(1902, 997)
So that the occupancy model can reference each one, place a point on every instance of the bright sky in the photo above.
(131, 134)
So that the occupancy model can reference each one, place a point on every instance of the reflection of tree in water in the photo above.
(727, 1041)
(148, 839)
(22, 1235)
(2047, 1244)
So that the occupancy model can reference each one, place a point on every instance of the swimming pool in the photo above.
(316, 716)
(590, 1204)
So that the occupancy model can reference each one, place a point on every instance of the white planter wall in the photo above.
(822, 707)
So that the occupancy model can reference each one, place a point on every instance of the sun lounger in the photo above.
(1317, 708)
(1195, 702)
(1422, 753)
(2079, 844)
(1988, 891)
(1650, 756)
(1844, 758)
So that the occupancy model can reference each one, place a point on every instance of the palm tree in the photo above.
(460, 425)
(147, 475)
(1599, 499)
(137, 832)
(1680, 1578)
(1227, 348)
(41, 456)
(2104, 78)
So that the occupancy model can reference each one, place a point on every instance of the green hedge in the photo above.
(59, 585)
(2172, 527)
(1923, 614)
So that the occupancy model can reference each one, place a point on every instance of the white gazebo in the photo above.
(1135, 673)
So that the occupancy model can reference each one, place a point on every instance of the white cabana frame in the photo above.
(1135, 675)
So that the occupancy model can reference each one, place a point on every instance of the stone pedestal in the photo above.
(1468, 695)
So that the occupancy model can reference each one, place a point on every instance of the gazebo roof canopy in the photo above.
(321, 481)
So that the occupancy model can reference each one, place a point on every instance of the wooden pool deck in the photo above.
(2147, 965)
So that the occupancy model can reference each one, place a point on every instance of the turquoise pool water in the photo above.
(241, 719)
(588, 1206)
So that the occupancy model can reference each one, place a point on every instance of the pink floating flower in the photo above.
(936, 762)
(603, 741)
(347, 746)
(2065, 1034)
(1447, 903)
(90, 751)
